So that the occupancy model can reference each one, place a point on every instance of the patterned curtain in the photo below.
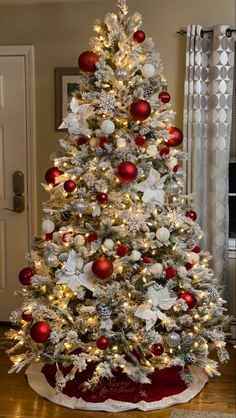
(207, 129)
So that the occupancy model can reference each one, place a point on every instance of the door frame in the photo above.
(27, 52)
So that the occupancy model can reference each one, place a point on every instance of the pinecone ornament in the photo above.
(190, 358)
(214, 294)
(190, 244)
(103, 310)
(65, 215)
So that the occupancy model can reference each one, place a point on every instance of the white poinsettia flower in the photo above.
(72, 275)
(152, 188)
(150, 311)
(76, 120)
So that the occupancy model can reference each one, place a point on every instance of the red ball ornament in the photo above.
(101, 198)
(140, 141)
(188, 297)
(25, 276)
(164, 151)
(175, 168)
(196, 249)
(51, 175)
(127, 172)
(70, 186)
(139, 36)
(92, 236)
(140, 110)
(157, 349)
(40, 332)
(81, 141)
(27, 316)
(122, 250)
(49, 236)
(191, 214)
(189, 266)
(146, 260)
(170, 272)
(177, 137)
(87, 61)
(164, 96)
(102, 268)
(102, 142)
(102, 343)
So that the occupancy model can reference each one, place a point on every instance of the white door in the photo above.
(14, 226)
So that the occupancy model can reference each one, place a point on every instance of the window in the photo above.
(232, 165)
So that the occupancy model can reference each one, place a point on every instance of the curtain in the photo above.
(207, 130)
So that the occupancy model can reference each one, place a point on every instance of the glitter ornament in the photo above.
(182, 271)
(27, 315)
(87, 61)
(102, 268)
(26, 275)
(81, 141)
(49, 237)
(107, 127)
(47, 226)
(103, 142)
(52, 174)
(148, 70)
(121, 74)
(101, 198)
(164, 151)
(170, 272)
(121, 142)
(163, 234)
(135, 255)
(139, 36)
(102, 343)
(175, 168)
(173, 339)
(126, 172)
(164, 96)
(189, 266)
(156, 269)
(40, 332)
(70, 186)
(191, 214)
(172, 188)
(78, 206)
(122, 250)
(108, 243)
(177, 137)
(157, 349)
(92, 236)
(140, 110)
(146, 260)
(79, 241)
(188, 297)
(140, 141)
(51, 260)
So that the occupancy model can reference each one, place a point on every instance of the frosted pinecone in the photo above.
(190, 244)
(214, 294)
(190, 358)
(147, 91)
(103, 310)
(65, 215)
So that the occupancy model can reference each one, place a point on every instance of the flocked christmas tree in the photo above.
(117, 275)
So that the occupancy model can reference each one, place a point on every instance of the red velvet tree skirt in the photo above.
(119, 393)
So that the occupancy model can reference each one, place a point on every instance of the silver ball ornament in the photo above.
(173, 339)
(121, 74)
(172, 188)
(78, 206)
(51, 260)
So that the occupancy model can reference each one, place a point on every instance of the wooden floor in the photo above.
(18, 400)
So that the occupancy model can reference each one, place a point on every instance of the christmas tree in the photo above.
(117, 277)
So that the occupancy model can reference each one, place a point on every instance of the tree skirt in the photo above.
(119, 393)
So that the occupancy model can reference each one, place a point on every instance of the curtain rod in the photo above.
(228, 32)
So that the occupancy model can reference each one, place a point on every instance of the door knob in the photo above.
(18, 188)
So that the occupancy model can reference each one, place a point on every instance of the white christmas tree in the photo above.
(117, 271)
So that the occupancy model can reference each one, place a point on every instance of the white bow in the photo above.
(149, 311)
(152, 187)
(71, 274)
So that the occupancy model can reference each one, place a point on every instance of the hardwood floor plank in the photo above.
(18, 400)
